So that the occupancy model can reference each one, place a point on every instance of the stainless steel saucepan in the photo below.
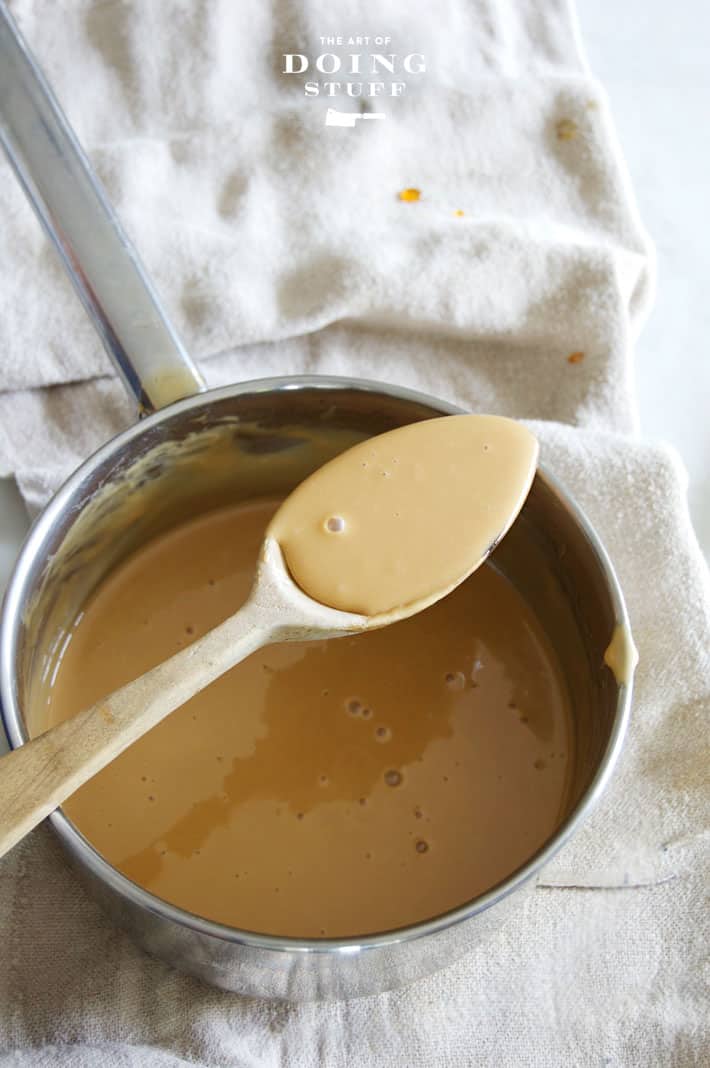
(194, 450)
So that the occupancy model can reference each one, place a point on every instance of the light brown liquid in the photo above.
(403, 517)
(329, 788)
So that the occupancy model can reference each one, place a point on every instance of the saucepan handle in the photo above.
(73, 209)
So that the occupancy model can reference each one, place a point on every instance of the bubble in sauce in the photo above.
(335, 524)
(421, 846)
(366, 713)
(455, 680)
(383, 734)
(354, 706)
(393, 777)
(540, 765)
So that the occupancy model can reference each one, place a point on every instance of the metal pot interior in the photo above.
(261, 439)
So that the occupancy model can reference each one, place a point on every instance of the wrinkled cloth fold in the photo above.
(281, 246)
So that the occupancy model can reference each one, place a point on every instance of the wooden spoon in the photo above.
(401, 519)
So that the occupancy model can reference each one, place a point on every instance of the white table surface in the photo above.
(654, 59)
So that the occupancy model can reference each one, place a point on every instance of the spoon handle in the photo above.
(101, 262)
(38, 776)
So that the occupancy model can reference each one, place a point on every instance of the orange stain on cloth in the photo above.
(566, 130)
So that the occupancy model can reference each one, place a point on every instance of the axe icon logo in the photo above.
(333, 117)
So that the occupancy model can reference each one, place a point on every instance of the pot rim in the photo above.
(80, 847)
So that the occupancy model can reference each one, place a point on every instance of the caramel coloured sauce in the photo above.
(326, 788)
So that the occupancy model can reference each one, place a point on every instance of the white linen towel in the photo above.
(515, 284)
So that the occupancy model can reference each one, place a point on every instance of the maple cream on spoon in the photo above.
(396, 522)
